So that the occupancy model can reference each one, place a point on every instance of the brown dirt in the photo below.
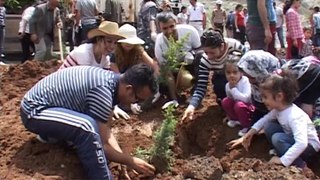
(200, 149)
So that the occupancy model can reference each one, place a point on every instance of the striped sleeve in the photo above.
(99, 103)
(69, 62)
(201, 86)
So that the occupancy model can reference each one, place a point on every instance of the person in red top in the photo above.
(294, 28)
(240, 28)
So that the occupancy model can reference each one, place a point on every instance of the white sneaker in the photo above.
(243, 131)
(232, 123)
(272, 152)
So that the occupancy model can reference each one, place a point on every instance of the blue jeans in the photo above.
(282, 142)
(82, 130)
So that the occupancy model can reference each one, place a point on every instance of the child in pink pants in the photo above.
(237, 104)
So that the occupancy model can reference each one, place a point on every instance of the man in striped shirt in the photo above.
(75, 105)
(216, 50)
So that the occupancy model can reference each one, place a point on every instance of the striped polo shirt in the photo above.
(85, 89)
(217, 66)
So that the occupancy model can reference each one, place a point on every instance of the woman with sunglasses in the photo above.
(95, 52)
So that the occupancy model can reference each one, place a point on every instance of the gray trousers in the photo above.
(44, 49)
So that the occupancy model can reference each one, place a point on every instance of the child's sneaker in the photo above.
(232, 123)
(243, 131)
(272, 152)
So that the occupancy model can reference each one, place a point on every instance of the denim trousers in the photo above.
(282, 142)
(82, 130)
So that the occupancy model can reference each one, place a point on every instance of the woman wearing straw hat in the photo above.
(129, 51)
(101, 43)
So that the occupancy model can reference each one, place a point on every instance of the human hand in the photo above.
(188, 113)
(20, 35)
(135, 108)
(232, 84)
(118, 112)
(34, 38)
(124, 172)
(268, 36)
(275, 160)
(247, 138)
(60, 25)
(142, 166)
(167, 104)
(235, 143)
(295, 43)
(237, 30)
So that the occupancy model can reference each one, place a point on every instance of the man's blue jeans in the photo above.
(282, 142)
(82, 130)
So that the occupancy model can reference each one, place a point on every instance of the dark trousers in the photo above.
(241, 35)
(82, 130)
(85, 29)
(219, 82)
(26, 43)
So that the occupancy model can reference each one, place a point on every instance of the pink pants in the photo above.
(238, 111)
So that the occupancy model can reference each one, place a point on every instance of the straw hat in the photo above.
(130, 34)
(106, 28)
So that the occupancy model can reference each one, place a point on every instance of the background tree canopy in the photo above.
(17, 6)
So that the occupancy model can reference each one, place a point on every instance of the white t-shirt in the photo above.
(182, 18)
(83, 56)
(193, 41)
(279, 13)
(241, 92)
(196, 12)
(24, 23)
(294, 121)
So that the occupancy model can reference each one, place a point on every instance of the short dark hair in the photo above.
(183, 8)
(238, 6)
(283, 81)
(141, 75)
(165, 17)
(212, 38)
(316, 9)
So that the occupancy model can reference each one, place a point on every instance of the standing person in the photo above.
(42, 24)
(182, 16)
(261, 25)
(217, 50)
(239, 32)
(197, 16)
(279, 24)
(237, 104)
(146, 27)
(230, 24)
(24, 33)
(219, 16)
(75, 105)
(86, 12)
(2, 28)
(286, 126)
(294, 28)
(256, 65)
(97, 50)
(170, 29)
(307, 46)
(316, 27)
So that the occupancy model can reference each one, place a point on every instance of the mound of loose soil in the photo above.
(200, 149)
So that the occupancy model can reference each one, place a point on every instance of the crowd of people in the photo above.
(114, 69)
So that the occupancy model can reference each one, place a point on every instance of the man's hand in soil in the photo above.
(275, 160)
(188, 113)
(247, 138)
(142, 166)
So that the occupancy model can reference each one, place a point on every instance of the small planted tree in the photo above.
(160, 154)
(173, 55)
